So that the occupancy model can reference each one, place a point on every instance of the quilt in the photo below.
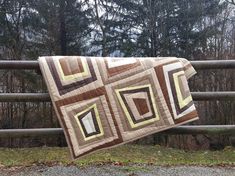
(102, 102)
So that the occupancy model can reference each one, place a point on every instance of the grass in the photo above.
(123, 155)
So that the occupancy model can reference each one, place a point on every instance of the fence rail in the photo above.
(44, 97)
(199, 65)
(196, 129)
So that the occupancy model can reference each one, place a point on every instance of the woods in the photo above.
(193, 29)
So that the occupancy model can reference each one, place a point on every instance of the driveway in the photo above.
(113, 170)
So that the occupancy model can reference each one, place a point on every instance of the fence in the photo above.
(44, 97)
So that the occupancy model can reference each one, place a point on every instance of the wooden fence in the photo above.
(188, 129)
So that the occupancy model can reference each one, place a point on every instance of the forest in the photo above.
(192, 29)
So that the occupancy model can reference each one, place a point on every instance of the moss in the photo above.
(123, 155)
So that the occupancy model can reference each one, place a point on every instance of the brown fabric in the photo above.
(104, 102)
(141, 105)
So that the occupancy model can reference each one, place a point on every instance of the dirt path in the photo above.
(112, 170)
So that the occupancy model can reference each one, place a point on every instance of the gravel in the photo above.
(112, 170)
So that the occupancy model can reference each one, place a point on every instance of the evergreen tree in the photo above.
(162, 28)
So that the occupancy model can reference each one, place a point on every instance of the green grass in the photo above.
(123, 155)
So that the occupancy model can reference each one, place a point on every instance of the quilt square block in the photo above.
(176, 91)
(71, 76)
(139, 105)
(88, 122)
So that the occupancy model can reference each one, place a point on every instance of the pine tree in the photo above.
(157, 28)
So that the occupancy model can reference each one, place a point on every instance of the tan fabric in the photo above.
(104, 102)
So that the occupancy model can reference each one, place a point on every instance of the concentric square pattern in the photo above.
(103, 102)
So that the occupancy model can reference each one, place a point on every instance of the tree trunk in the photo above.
(63, 40)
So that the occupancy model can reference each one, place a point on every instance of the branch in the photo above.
(231, 2)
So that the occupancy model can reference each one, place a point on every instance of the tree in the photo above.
(156, 28)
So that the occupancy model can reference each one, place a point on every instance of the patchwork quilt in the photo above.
(103, 102)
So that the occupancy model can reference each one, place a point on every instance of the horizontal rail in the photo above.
(19, 64)
(213, 64)
(44, 97)
(202, 96)
(199, 129)
(24, 97)
(203, 129)
(199, 65)
(30, 132)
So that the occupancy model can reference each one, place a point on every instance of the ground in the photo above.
(132, 160)
(112, 170)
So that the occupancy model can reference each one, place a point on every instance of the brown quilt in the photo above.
(104, 102)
